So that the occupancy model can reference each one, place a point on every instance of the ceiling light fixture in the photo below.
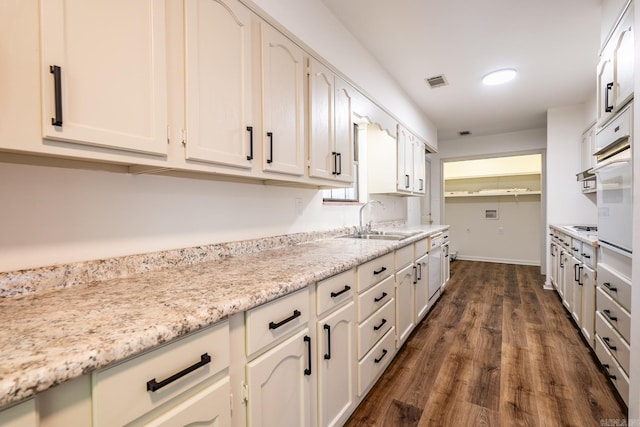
(499, 77)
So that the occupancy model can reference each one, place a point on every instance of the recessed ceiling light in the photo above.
(499, 77)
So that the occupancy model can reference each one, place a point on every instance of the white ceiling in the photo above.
(552, 43)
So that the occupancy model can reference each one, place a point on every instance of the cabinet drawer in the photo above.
(375, 327)
(376, 361)
(616, 375)
(376, 297)
(618, 288)
(275, 320)
(576, 247)
(209, 407)
(613, 341)
(588, 255)
(334, 291)
(120, 393)
(435, 241)
(422, 247)
(404, 256)
(374, 271)
(617, 316)
(618, 129)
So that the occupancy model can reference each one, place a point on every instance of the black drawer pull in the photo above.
(347, 288)
(335, 163)
(57, 87)
(296, 314)
(384, 294)
(153, 385)
(327, 355)
(613, 377)
(607, 341)
(586, 256)
(608, 314)
(377, 328)
(270, 136)
(609, 287)
(250, 129)
(379, 359)
(382, 270)
(574, 249)
(307, 339)
(609, 88)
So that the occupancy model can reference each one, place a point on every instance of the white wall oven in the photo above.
(614, 175)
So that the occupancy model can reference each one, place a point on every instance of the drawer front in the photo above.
(618, 348)
(576, 248)
(588, 255)
(617, 316)
(276, 320)
(404, 256)
(618, 129)
(370, 331)
(564, 240)
(618, 288)
(421, 248)
(374, 271)
(435, 241)
(445, 236)
(209, 407)
(120, 394)
(335, 291)
(616, 375)
(376, 361)
(374, 298)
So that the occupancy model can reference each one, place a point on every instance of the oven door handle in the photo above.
(610, 163)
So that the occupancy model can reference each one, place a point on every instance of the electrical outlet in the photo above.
(298, 206)
(501, 230)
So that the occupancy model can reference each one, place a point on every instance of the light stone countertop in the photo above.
(55, 335)
(587, 237)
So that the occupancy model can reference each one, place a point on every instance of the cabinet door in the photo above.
(569, 281)
(623, 57)
(210, 407)
(587, 323)
(218, 82)
(553, 248)
(282, 103)
(343, 123)
(418, 167)
(405, 160)
(605, 85)
(21, 415)
(446, 265)
(404, 303)
(587, 148)
(110, 87)
(279, 384)
(576, 301)
(421, 293)
(336, 365)
(323, 160)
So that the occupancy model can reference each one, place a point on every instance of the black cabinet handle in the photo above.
(608, 108)
(327, 355)
(250, 129)
(377, 328)
(153, 385)
(270, 136)
(608, 314)
(419, 271)
(379, 359)
(382, 270)
(339, 157)
(347, 288)
(553, 253)
(295, 315)
(586, 256)
(57, 87)
(576, 272)
(580, 276)
(609, 287)
(415, 274)
(421, 184)
(406, 181)
(574, 249)
(607, 341)
(384, 294)
(335, 163)
(307, 339)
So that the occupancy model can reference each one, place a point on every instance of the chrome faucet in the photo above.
(367, 228)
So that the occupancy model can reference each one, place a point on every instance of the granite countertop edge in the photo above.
(44, 344)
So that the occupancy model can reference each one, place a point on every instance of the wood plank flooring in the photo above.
(496, 350)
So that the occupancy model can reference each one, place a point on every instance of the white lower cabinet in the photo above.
(336, 357)
(421, 288)
(279, 383)
(372, 365)
(21, 415)
(404, 302)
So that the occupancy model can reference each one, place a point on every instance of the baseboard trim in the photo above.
(499, 260)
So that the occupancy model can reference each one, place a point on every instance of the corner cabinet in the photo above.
(331, 150)
(103, 74)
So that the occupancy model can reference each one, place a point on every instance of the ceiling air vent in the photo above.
(464, 132)
(437, 81)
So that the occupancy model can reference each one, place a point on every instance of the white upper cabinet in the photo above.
(282, 76)
(219, 120)
(330, 125)
(615, 69)
(411, 168)
(104, 73)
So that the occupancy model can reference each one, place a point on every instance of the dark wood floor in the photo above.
(496, 350)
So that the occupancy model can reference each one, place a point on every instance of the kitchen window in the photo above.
(349, 194)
